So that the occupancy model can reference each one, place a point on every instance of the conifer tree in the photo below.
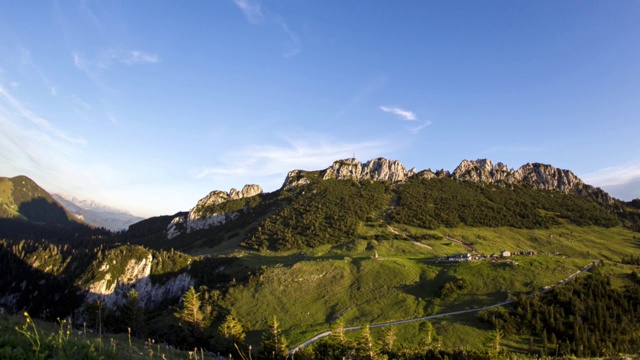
(190, 310)
(365, 348)
(389, 338)
(337, 332)
(190, 317)
(132, 314)
(231, 332)
(274, 343)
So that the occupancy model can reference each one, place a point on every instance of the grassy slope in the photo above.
(308, 289)
(78, 343)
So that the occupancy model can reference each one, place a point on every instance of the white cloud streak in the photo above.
(422, 125)
(622, 182)
(106, 59)
(614, 176)
(294, 43)
(31, 145)
(270, 164)
(402, 113)
(134, 57)
(255, 14)
(251, 10)
(42, 123)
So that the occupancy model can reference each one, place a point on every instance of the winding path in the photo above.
(400, 322)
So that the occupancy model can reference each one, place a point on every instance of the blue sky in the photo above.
(150, 105)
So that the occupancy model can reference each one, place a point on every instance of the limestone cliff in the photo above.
(536, 175)
(379, 169)
(200, 217)
(112, 281)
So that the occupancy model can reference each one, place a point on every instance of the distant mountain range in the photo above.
(96, 214)
(22, 199)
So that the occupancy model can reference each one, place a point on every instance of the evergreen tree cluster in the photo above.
(585, 318)
(325, 212)
(431, 203)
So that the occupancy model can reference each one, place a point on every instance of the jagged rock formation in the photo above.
(112, 289)
(379, 169)
(536, 175)
(198, 219)
(483, 171)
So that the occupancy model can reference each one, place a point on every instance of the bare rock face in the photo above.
(379, 169)
(295, 178)
(547, 177)
(176, 227)
(197, 219)
(247, 191)
(536, 175)
(135, 276)
(483, 171)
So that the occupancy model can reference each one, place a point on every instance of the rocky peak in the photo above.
(218, 196)
(247, 191)
(379, 169)
(538, 176)
(198, 218)
(482, 171)
(547, 177)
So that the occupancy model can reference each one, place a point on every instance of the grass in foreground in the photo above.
(33, 339)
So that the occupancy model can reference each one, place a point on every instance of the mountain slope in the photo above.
(96, 214)
(21, 198)
(327, 206)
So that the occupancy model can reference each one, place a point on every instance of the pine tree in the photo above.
(494, 340)
(337, 332)
(274, 343)
(429, 332)
(190, 317)
(132, 314)
(231, 332)
(190, 311)
(365, 348)
(389, 338)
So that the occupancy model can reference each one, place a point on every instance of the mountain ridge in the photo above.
(97, 214)
(22, 198)
(536, 176)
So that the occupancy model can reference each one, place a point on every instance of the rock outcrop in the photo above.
(113, 289)
(200, 218)
(379, 169)
(536, 175)
(483, 171)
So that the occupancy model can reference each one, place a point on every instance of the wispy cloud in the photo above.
(622, 182)
(614, 176)
(407, 115)
(255, 14)
(42, 123)
(134, 57)
(294, 43)
(95, 67)
(402, 113)
(270, 163)
(420, 126)
(29, 144)
(251, 10)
